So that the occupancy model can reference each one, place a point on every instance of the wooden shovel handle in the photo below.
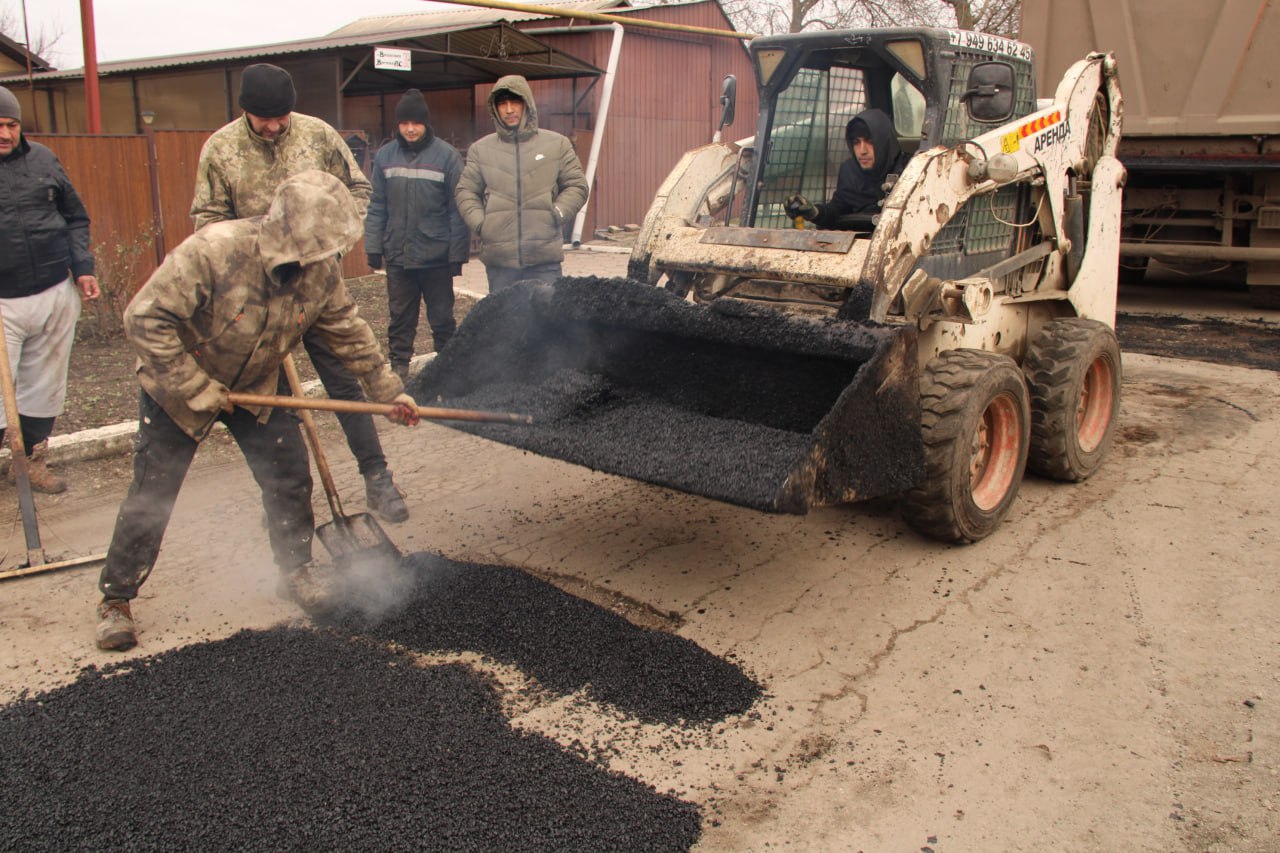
(432, 413)
(313, 439)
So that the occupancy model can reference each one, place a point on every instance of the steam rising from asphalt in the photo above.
(373, 587)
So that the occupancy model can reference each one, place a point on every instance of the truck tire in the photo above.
(1073, 369)
(975, 419)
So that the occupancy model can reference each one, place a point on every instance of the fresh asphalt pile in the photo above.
(564, 643)
(302, 739)
(733, 401)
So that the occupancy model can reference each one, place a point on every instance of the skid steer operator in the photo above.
(874, 155)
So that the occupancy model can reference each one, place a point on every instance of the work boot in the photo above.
(383, 498)
(116, 632)
(301, 586)
(38, 473)
(401, 370)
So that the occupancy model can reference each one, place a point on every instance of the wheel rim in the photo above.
(1097, 397)
(995, 452)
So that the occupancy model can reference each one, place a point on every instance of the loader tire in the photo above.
(1073, 370)
(975, 418)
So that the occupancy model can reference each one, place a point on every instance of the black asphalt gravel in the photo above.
(302, 739)
(733, 401)
(563, 642)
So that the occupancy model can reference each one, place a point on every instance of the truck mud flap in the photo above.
(732, 401)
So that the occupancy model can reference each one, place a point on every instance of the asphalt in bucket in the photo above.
(303, 739)
(732, 401)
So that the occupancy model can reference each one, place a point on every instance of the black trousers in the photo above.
(34, 431)
(276, 456)
(405, 287)
(341, 384)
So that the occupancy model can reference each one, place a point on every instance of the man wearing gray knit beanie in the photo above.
(44, 248)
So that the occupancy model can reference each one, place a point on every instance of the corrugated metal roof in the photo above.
(462, 17)
(491, 49)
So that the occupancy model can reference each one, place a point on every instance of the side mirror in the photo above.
(989, 95)
(728, 99)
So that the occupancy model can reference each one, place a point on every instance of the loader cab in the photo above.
(812, 85)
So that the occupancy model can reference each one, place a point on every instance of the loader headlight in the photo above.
(1002, 168)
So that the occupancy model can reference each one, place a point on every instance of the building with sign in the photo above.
(661, 87)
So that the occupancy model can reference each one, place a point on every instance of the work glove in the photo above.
(213, 398)
(455, 270)
(798, 205)
(405, 412)
(375, 262)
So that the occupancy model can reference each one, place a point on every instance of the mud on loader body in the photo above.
(932, 351)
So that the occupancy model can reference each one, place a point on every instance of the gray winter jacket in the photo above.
(520, 187)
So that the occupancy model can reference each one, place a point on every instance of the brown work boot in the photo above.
(116, 632)
(303, 587)
(38, 473)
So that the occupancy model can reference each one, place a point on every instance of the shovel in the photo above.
(26, 500)
(348, 538)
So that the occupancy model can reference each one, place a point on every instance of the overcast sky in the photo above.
(129, 29)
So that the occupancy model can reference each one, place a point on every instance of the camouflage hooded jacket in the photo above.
(234, 298)
(520, 186)
(240, 170)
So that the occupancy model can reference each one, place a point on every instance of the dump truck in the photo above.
(1202, 127)
(930, 352)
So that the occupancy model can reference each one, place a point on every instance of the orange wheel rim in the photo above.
(1093, 411)
(995, 451)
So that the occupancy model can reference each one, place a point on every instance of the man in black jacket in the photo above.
(874, 155)
(44, 245)
(413, 226)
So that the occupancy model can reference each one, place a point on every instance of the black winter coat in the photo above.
(413, 221)
(44, 227)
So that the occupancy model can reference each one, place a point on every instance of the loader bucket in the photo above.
(733, 401)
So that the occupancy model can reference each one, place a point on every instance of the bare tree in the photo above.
(1000, 17)
(43, 41)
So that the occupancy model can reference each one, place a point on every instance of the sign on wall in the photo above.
(392, 59)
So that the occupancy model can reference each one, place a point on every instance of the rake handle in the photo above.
(432, 413)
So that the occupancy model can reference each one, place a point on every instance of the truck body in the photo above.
(1202, 125)
(931, 349)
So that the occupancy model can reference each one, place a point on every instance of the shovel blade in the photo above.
(356, 538)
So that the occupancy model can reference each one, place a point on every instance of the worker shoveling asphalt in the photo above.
(738, 403)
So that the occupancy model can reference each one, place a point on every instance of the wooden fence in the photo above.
(138, 190)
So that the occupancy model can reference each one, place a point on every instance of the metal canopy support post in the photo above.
(597, 136)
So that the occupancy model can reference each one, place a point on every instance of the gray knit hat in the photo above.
(9, 106)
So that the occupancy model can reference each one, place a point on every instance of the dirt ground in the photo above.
(1101, 674)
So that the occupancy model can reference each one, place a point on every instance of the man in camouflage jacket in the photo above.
(519, 187)
(241, 165)
(221, 313)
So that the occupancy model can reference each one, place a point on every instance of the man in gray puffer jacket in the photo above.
(519, 187)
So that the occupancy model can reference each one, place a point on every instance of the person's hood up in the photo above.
(518, 86)
(312, 216)
(878, 127)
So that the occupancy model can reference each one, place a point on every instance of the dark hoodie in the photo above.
(859, 190)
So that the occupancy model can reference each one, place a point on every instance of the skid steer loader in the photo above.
(931, 351)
